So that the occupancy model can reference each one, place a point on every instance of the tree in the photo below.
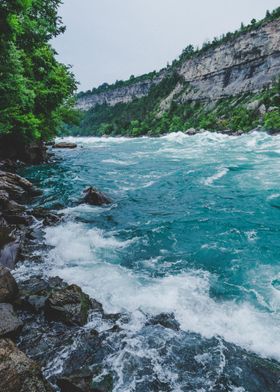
(35, 89)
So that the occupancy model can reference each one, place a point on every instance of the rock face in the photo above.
(8, 286)
(94, 197)
(246, 64)
(10, 325)
(14, 149)
(242, 65)
(125, 94)
(14, 190)
(65, 145)
(68, 305)
(19, 373)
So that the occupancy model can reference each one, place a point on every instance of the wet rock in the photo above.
(65, 145)
(18, 373)
(8, 286)
(18, 188)
(166, 320)
(94, 197)
(104, 385)
(191, 131)
(80, 382)
(48, 218)
(34, 292)
(10, 325)
(11, 241)
(68, 305)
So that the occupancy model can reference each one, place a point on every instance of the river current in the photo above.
(193, 231)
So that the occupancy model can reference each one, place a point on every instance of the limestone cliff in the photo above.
(245, 64)
(137, 88)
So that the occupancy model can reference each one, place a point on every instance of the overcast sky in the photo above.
(108, 40)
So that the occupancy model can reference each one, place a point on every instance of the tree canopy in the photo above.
(35, 89)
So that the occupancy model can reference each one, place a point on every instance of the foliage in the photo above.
(35, 89)
(144, 116)
(272, 120)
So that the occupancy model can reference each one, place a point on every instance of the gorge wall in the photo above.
(245, 64)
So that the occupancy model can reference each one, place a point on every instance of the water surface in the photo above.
(193, 230)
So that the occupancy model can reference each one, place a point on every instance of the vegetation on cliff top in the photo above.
(149, 116)
(143, 116)
(36, 91)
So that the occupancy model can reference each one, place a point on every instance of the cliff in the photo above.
(239, 67)
(121, 92)
(246, 64)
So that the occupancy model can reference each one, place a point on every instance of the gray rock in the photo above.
(94, 197)
(10, 325)
(65, 145)
(10, 243)
(272, 109)
(19, 373)
(68, 305)
(191, 131)
(8, 286)
(166, 320)
(262, 110)
(253, 106)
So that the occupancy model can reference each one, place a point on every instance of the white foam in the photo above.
(178, 137)
(72, 242)
(75, 258)
(220, 174)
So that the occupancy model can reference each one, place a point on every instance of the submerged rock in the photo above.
(8, 285)
(10, 324)
(80, 382)
(18, 373)
(65, 145)
(94, 197)
(166, 320)
(68, 305)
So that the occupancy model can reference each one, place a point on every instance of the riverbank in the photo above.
(76, 341)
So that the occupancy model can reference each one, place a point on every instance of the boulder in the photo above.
(191, 131)
(34, 292)
(65, 145)
(10, 325)
(18, 373)
(94, 197)
(262, 110)
(18, 188)
(10, 242)
(8, 285)
(68, 305)
(253, 106)
(48, 218)
(82, 382)
(166, 320)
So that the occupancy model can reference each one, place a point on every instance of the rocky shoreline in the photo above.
(39, 315)
(54, 337)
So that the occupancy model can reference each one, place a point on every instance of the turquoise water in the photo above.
(193, 230)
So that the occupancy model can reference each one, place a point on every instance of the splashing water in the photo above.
(193, 230)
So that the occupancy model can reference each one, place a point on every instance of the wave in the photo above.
(220, 174)
(79, 256)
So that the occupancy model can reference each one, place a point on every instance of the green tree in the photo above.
(272, 120)
(35, 89)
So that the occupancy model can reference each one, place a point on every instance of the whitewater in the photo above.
(193, 231)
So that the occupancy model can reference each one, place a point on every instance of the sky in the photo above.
(109, 40)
